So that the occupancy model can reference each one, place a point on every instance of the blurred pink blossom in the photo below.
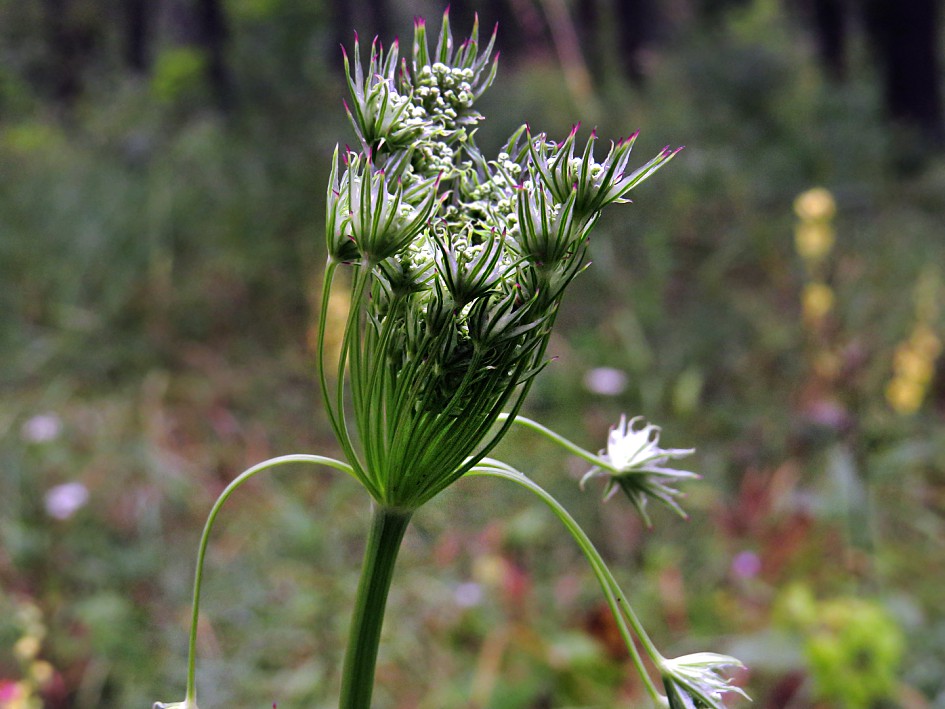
(41, 428)
(607, 381)
(63, 501)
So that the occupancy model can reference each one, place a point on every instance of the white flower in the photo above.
(41, 428)
(693, 682)
(186, 704)
(606, 381)
(635, 463)
(636, 449)
(63, 501)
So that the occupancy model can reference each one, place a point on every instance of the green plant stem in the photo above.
(616, 598)
(387, 531)
(557, 438)
(191, 697)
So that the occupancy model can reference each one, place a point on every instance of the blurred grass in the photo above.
(158, 261)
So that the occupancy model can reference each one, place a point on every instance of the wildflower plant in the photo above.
(456, 265)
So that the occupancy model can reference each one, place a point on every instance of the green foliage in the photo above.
(178, 74)
(853, 647)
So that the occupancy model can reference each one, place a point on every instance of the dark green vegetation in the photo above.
(159, 244)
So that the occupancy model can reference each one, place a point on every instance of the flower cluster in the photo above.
(457, 263)
(635, 463)
(35, 673)
(914, 361)
(814, 238)
(693, 681)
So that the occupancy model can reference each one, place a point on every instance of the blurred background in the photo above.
(774, 298)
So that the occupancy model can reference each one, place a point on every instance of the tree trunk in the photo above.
(137, 35)
(212, 36)
(830, 27)
(905, 38)
(635, 20)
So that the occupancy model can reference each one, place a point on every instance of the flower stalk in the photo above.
(387, 531)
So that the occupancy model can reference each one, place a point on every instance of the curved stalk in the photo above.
(191, 697)
(569, 446)
(616, 598)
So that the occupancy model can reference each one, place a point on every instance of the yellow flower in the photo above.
(904, 395)
(817, 300)
(27, 647)
(815, 204)
(41, 672)
(813, 240)
(913, 365)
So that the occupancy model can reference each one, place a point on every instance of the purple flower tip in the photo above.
(356, 37)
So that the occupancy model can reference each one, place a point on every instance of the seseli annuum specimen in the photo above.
(455, 265)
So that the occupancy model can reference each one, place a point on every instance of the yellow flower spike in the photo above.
(904, 396)
(925, 341)
(41, 672)
(26, 648)
(913, 365)
(813, 240)
(817, 301)
(815, 205)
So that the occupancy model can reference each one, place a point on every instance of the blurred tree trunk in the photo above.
(137, 35)
(636, 21)
(830, 27)
(905, 38)
(202, 24)
(212, 35)
(370, 20)
(342, 26)
(587, 19)
(69, 42)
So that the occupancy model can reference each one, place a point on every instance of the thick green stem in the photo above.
(387, 532)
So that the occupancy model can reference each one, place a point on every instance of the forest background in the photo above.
(774, 298)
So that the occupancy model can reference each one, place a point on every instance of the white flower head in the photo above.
(186, 704)
(693, 681)
(63, 501)
(635, 463)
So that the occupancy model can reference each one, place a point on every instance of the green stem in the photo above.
(557, 438)
(616, 598)
(191, 697)
(387, 531)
